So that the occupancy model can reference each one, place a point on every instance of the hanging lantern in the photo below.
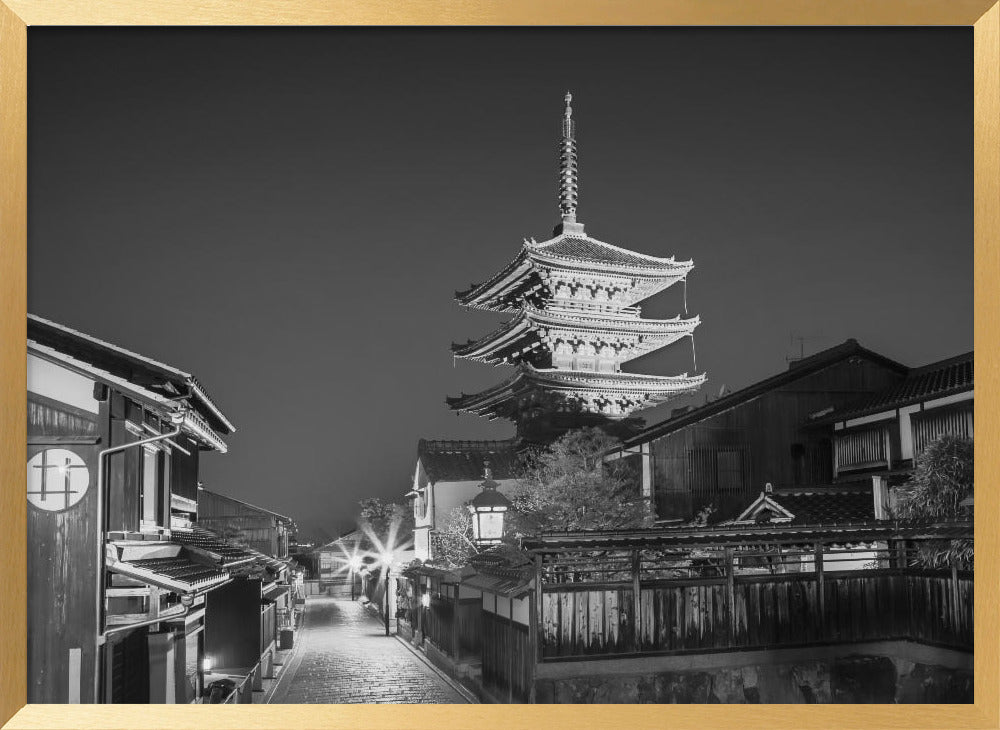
(488, 508)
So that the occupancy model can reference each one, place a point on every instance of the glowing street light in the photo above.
(488, 508)
(354, 564)
(386, 553)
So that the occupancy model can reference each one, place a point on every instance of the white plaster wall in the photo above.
(520, 608)
(421, 544)
(906, 431)
(58, 383)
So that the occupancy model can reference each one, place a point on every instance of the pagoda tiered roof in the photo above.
(575, 322)
(615, 395)
(531, 334)
(574, 256)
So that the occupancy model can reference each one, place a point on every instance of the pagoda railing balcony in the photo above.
(576, 306)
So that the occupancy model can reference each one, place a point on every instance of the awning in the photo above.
(165, 565)
(508, 587)
(275, 590)
(213, 547)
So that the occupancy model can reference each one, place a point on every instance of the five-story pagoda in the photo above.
(576, 320)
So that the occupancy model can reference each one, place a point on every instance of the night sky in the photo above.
(287, 213)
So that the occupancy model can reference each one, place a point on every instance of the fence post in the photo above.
(511, 653)
(535, 628)
(956, 615)
(636, 601)
(730, 597)
(455, 650)
(539, 608)
(820, 589)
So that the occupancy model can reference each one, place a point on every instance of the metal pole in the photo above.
(387, 600)
(352, 583)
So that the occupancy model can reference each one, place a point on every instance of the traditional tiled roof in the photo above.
(178, 572)
(586, 250)
(210, 546)
(536, 325)
(939, 379)
(800, 369)
(136, 368)
(222, 551)
(732, 534)
(194, 424)
(827, 506)
(504, 570)
(181, 569)
(462, 461)
(625, 391)
(577, 253)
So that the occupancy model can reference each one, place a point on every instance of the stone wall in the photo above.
(852, 678)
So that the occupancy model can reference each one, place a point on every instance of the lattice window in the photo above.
(719, 468)
(862, 449)
(931, 425)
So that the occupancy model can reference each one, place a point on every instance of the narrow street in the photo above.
(344, 656)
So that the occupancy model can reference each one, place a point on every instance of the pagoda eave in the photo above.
(623, 393)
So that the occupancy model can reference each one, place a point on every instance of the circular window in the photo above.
(57, 479)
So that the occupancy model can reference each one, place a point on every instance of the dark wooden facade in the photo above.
(89, 634)
(63, 565)
(256, 527)
(233, 627)
(720, 455)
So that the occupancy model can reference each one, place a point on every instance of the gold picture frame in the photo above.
(15, 17)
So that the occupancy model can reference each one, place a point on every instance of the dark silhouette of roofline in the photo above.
(872, 404)
(797, 370)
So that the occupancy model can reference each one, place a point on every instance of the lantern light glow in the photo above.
(488, 509)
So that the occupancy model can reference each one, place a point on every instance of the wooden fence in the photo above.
(438, 624)
(508, 657)
(470, 626)
(748, 612)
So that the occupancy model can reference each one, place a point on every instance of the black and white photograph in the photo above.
(500, 365)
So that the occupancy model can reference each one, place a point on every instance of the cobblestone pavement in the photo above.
(344, 656)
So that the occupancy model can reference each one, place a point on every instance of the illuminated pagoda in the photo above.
(576, 321)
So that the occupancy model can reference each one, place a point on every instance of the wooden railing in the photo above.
(242, 693)
(757, 611)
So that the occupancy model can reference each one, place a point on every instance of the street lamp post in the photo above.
(488, 509)
(386, 559)
(353, 565)
(386, 600)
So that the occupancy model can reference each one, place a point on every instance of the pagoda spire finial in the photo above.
(567, 171)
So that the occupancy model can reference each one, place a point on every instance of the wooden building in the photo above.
(261, 529)
(722, 453)
(116, 604)
(447, 476)
(332, 563)
(882, 435)
(244, 617)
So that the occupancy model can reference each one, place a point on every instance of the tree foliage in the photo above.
(569, 486)
(388, 521)
(453, 539)
(943, 476)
